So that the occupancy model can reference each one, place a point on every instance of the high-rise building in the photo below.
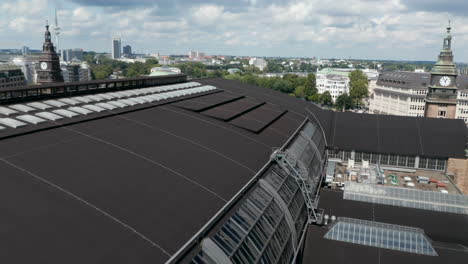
(192, 54)
(127, 50)
(48, 68)
(441, 100)
(72, 54)
(25, 50)
(116, 48)
(200, 54)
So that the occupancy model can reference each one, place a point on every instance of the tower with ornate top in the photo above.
(441, 100)
(48, 68)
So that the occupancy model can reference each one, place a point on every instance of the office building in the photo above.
(442, 93)
(69, 55)
(259, 63)
(127, 50)
(11, 76)
(27, 67)
(76, 72)
(192, 54)
(25, 51)
(336, 85)
(116, 48)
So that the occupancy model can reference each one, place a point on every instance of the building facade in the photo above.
(259, 63)
(442, 93)
(76, 72)
(127, 50)
(336, 85)
(116, 48)
(48, 69)
(11, 76)
(72, 54)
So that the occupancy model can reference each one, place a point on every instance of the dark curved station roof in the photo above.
(134, 186)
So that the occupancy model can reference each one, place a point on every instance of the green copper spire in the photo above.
(445, 65)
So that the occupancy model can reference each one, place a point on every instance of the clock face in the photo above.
(44, 66)
(445, 81)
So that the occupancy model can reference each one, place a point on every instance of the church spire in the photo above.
(48, 46)
(448, 38)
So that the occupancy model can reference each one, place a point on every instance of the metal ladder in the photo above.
(286, 163)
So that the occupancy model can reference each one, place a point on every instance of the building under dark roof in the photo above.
(158, 172)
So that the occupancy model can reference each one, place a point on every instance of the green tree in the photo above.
(300, 92)
(310, 85)
(358, 86)
(344, 101)
(314, 98)
(326, 99)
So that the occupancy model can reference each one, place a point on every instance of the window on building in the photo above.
(441, 113)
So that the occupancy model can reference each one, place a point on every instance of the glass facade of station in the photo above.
(269, 223)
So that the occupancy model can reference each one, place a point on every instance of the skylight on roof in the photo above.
(10, 122)
(54, 103)
(381, 235)
(39, 105)
(80, 110)
(22, 108)
(69, 101)
(405, 197)
(7, 111)
(65, 113)
(49, 116)
(31, 119)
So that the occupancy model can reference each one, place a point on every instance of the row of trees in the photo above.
(102, 67)
(305, 87)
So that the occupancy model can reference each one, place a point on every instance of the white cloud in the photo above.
(358, 28)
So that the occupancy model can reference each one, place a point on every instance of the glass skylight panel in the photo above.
(7, 111)
(82, 99)
(381, 235)
(22, 108)
(117, 104)
(80, 110)
(31, 119)
(95, 98)
(69, 101)
(10, 122)
(1, 128)
(127, 102)
(94, 108)
(155, 97)
(49, 116)
(66, 113)
(109, 96)
(126, 93)
(39, 105)
(405, 197)
(107, 106)
(137, 100)
(146, 99)
(54, 103)
(120, 94)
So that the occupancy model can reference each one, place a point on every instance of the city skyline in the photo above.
(389, 29)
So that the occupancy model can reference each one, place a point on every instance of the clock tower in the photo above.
(48, 68)
(441, 101)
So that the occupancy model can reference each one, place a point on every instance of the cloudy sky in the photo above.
(370, 29)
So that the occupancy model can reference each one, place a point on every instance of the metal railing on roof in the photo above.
(44, 91)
